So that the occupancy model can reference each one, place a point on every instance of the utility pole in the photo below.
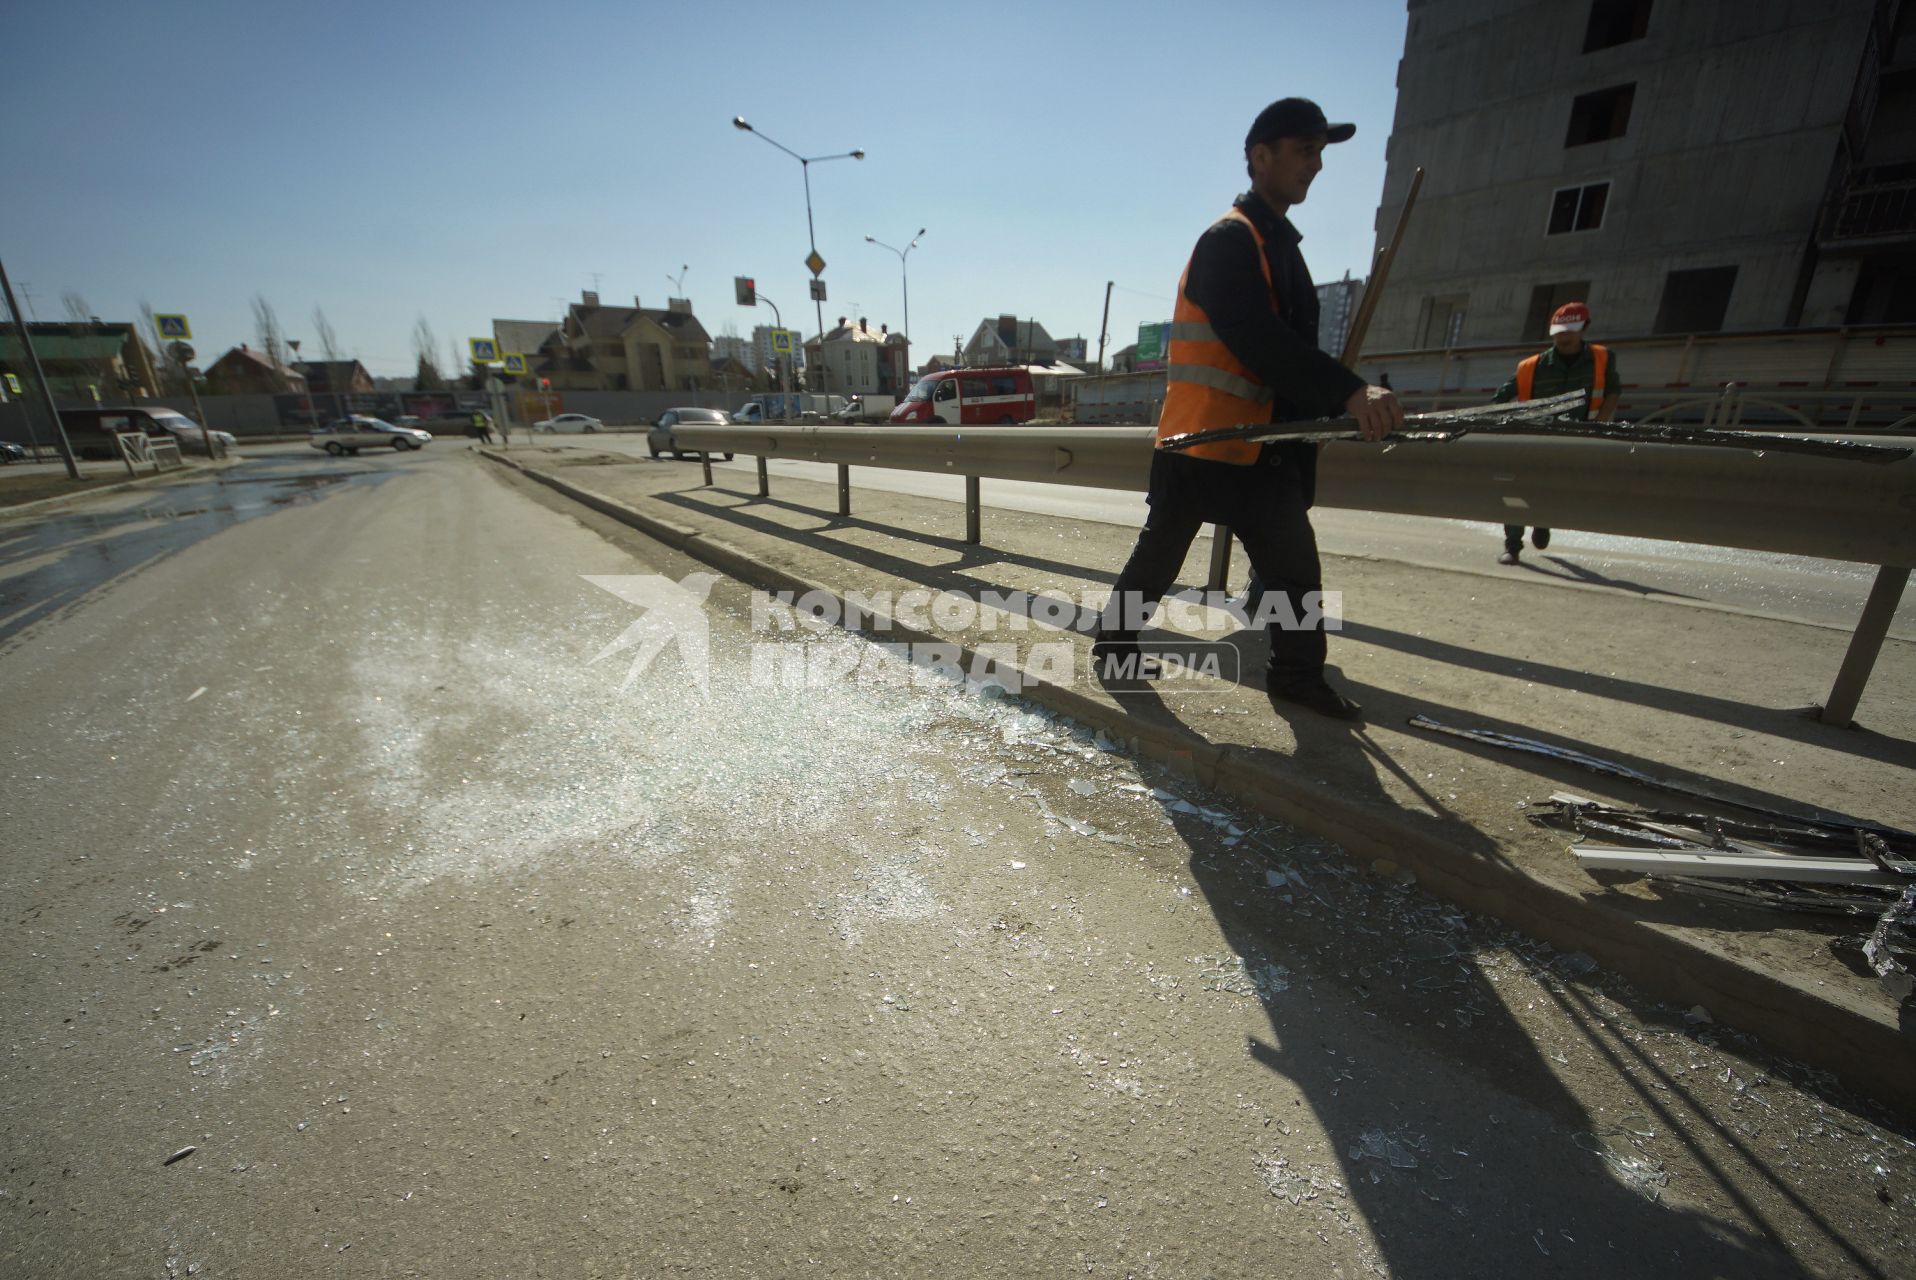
(1104, 325)
(40, 380)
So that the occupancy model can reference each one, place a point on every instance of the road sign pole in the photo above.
(40, 380)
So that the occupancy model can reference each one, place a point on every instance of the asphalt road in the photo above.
(336, 857)
(1824, 592)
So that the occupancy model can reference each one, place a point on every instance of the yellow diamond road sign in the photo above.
(816, 263)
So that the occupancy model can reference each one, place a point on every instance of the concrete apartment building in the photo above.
(1685, 166)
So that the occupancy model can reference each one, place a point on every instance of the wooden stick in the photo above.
(1380, 272)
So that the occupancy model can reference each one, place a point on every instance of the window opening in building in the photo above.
(1615, 22)
(1442, 321)
(1695, 301)
(1578, 208)
(1546, 298)
(1597, 116)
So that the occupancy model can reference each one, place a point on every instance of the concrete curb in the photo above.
(1866, 1054)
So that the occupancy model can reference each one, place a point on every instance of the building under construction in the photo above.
(1687, 168)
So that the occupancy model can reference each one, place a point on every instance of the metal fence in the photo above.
(1762, 500)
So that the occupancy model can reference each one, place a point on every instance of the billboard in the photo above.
(1154, 344)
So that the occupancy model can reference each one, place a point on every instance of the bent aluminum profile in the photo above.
(1540, 418)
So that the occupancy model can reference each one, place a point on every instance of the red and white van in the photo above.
(970, 397)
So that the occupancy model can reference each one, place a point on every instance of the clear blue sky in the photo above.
(474, 161)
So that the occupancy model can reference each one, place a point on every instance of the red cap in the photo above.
(1571, 317)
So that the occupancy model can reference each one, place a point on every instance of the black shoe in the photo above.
(1317, 695)
(1119, 660)
(1540, 538)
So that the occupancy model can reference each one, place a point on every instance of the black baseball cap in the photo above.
(1294, 118)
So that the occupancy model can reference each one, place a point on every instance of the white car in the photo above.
(187, 434)
(350, 435)
(569, 422)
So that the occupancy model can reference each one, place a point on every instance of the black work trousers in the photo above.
(1265, 507)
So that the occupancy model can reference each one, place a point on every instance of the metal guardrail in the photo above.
(1795, 504)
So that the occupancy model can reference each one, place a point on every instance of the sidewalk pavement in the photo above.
(1702, 696)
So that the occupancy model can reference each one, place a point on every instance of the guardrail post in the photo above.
(764, 480)
(1220, 559)
(844, 489)
(972, 533)
(1864, 645)
(705, 461)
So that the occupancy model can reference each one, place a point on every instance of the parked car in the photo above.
(350, 435)
(90, 432)
(660, 439)
(565, 422)
(187, 434)
(11, 452)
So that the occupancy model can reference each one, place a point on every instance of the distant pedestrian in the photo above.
(1244, 350)
(482, 426)
(1571, 364)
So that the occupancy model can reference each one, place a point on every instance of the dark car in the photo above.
(90, 432)
(11, 452)
(661, 440)
(465, 417)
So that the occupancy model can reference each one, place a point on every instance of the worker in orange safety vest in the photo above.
(1571, 364)
(1244, 349)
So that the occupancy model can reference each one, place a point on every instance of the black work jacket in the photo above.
(1279, 346)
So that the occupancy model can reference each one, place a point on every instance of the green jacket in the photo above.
(1556, 375)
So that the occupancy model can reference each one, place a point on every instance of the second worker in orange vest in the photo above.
(1244, 350)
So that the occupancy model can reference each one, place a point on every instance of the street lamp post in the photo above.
(805, 163)
(678, 281)
(904, 277)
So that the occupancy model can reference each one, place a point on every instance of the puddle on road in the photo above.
(48, 563)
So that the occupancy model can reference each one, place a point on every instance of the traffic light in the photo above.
(747, 290)
(545, 384)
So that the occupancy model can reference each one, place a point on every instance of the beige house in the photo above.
(856, 359)
(635, 348)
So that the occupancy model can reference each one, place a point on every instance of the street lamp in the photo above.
(903, 276)
(678, 281)
(805, 163)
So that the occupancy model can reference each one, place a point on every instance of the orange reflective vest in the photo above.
(1205, 385)
(1599, 369)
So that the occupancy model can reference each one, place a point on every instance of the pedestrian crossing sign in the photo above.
(515, 362)
(484, 350)
(781, 342)
(174, 328)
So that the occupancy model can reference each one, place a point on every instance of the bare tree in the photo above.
(272, 343)
(424, 341)
(328, 340)
(97, 370)
(329, 352)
